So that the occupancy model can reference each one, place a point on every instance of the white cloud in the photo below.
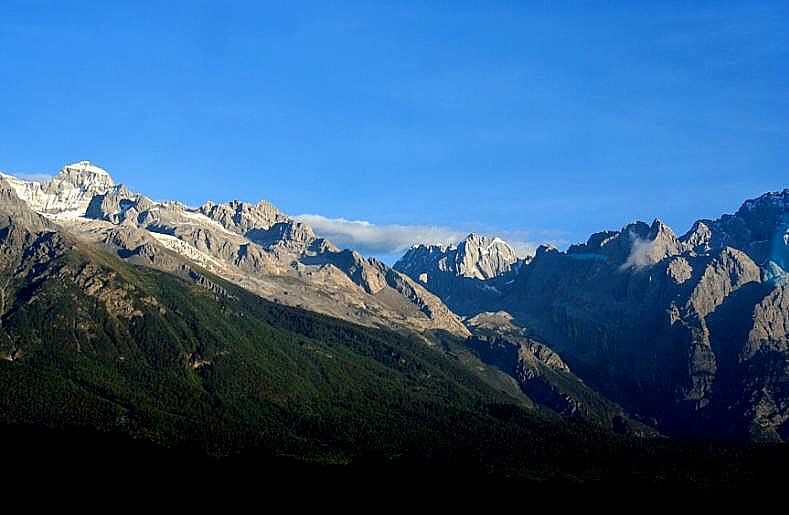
(372, 239)
(644, 253)
(38, 177)
(640, 253)
(523, 248)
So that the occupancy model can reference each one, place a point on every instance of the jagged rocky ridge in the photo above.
(465, 275)
(476, 272)
(253, 245)
(267, 252)
(688, 332)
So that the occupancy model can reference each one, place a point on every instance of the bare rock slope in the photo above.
(253, 245)
(689, 332)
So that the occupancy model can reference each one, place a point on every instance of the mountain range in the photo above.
(689, 334)
(233, 326)
(253, 245)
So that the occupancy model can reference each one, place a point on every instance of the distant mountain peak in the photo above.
(83, 175)
(759, 227)
(773, 201)
(658, 226)
(484, 257)
(476, 257)
(71, 190)
(241, 217)
(85, 167)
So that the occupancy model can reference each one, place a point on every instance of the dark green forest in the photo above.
(216, 373)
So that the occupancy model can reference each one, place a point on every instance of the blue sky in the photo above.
(537, 121)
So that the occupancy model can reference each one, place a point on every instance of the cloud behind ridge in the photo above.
(373, 239)
(37, 177)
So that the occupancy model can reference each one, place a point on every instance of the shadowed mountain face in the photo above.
(690, 332)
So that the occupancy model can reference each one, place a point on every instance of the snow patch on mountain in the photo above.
(201, 219)
(71, 190)
(185, 249)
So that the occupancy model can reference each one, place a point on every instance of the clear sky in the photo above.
(537, 121)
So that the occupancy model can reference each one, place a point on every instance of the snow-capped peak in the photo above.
(86, 175)
(70, 191)
(86, 167)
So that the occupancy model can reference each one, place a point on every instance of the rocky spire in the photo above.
(482, 257)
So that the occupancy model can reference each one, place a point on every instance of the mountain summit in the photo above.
(476, 257)
(86, 174)
(69, 192)
(462, 274)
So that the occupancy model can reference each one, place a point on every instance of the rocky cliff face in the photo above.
(467, 275)
(758, 228)
(253, 245)
(543, 375)
(690, 331)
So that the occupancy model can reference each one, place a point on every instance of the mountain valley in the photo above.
(234, 328)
